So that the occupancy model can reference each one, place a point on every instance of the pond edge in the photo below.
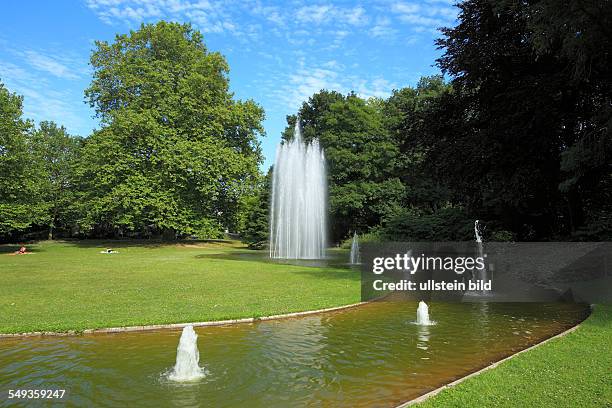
(430, 394)
(124, 329)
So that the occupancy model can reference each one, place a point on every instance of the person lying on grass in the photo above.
(22, 251)
(109, 251)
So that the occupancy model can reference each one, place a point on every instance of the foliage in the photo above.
(537, 165)
(57, 153)
(176, 151)
(208, 229)
(408, 114)
(374, 235)
(502, 236)
(520, 138)
(361, 156)
(256, 227)
(446, 224)
(20, 176)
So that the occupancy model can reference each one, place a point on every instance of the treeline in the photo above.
(519, 137)
(176, 155)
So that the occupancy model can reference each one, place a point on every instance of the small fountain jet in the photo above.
(423, 315)
(355, 255)
(187, 367)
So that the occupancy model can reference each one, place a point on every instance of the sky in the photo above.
(279, 53)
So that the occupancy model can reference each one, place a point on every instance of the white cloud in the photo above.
(425, 17)
(321, 14)
(447, 2)
(332, 64)
(208, 16)
(51, 64)
(13, 72)
(306, 80)
(42, 102)
(270, 13)
(420, 20)
(383, 28)
(335, 38)
(375, 88)
(404, 8)
(356, 16)
(325, 25)
(314, 14)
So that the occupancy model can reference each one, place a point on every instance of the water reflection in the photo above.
(423, 337)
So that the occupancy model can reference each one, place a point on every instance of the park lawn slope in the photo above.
(571, 371)
(71, 286)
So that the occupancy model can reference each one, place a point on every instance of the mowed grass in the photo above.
(72, 286)
(572, 371)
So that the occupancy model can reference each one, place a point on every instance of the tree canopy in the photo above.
(176, 152)
(361, 156)
(516, 132)
(20, 176)
(529, 145)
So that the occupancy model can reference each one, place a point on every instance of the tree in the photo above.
(429, 211)
(20, 207)
(406, 116)
(521, 101)
(580, 33)
(256, 229)
(176, 152)
(361, 158)
(57, 153)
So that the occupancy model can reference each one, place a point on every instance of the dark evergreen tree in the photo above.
(530, 108)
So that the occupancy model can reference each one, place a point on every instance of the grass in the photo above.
(572, 371)
(66, 286)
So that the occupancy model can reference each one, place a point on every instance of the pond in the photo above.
(359, 357)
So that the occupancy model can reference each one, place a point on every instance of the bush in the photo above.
(502, 236)
(447, 224)
(210, 229)
(372, 236)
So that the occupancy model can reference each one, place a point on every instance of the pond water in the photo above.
(371, 355)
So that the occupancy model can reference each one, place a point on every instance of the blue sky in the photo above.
(279, 53)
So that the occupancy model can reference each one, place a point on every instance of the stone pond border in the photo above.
(430, 394)
(179, 325)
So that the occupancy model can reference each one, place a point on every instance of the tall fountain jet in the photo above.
(298, 216)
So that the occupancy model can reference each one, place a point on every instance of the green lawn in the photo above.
(571, 371)
(71, 286)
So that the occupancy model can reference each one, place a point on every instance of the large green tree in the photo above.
(429, 210)
(256, 213)
(406, 114)
(20, 204)
(176, 151)
(362, 158)
(56, 152)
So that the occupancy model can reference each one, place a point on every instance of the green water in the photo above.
(372, 355)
